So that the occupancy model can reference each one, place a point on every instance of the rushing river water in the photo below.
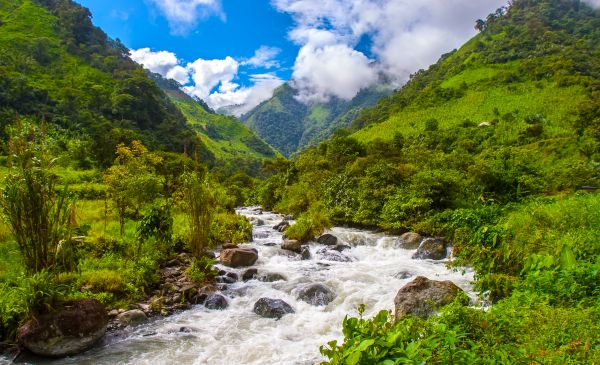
(238, 336)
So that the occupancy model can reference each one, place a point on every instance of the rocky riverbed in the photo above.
(273, 305)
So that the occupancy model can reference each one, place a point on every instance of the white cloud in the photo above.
(406, 35)
(332, 70)
(214, 80)
(183, 15)
(263, 57)
(593, 3)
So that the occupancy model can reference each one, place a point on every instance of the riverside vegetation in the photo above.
(495, 147)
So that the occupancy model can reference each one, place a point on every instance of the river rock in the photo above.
(249, 274)
(132, 317)
(341, 248)
(228, 246)
(216, 301)
(316, 294)
(431, 248)
(69, 331)
(410, 240)
(239, 257)
(305, 254)
(403, 274)
(327, 240)
(281, 226)
(422, 297)
(292, 245)
(269, 277)
(256, 221)
(272, 308)
(332, 255)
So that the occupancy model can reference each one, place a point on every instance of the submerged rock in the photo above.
(341, 248)
(327, 240)
(272, 308)
(332, 255)
(431, 248)
(422, 297)
(281, 226)
(216, 301)
(269, 277)
(316, 294)
(305, 254)
(292, 245)
(410, 240)
(403, 275)
(69, 331)
(239, 257)
(249, 274)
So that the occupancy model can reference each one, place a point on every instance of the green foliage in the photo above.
(201, 270)
(230, 228)
(159, 224)
(37, 215)
(309, 225)
(198, 202)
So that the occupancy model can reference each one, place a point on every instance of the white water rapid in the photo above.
(237, 336)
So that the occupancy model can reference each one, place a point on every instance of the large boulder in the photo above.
(132, 317)
(316, 294)
(410, 240)
(292, 245)
(422, 297)
(216, 301)
(69, 331)
(239, 257)
(272, 308)
(431, 248)
(327, 240)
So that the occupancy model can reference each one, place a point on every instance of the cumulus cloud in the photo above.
(183, 15)
(332, 70)
(405, 35)
(214, 80)
(264, 57)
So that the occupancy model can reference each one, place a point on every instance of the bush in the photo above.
(309, 224)
(108, 281)
(201, 270)
(230, 228)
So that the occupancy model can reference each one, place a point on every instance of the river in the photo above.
(238, 336)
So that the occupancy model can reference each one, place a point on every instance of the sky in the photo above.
(234, 53)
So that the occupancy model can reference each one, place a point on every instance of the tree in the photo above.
(36, 211)
(132, 182)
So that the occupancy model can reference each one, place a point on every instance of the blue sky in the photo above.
(234, 53)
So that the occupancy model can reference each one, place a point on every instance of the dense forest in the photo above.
(496, 148)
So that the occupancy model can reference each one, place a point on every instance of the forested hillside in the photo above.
(291, 125)
(57, 66)
(229, 146)
(495, 147)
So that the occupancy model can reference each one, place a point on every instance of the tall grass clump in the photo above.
(198, 202)
(36, 210)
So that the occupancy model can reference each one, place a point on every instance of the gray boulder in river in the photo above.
(239, 257)
(71, 330)
(410, 240)
(272, 308)
(316, 294)
(216, 301)
(327, 240)
(422, 297)
(431, 248)
(292, 245)
(132, 317)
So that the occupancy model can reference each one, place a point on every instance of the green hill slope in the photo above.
(55, 65)
(227, 144)
(291, 126)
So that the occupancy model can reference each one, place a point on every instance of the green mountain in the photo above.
(290, 125)
(56, 66)
(227, 143)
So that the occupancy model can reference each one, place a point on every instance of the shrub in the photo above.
(309, 224)
(201, 270)
(230, 228)
(108, 281)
